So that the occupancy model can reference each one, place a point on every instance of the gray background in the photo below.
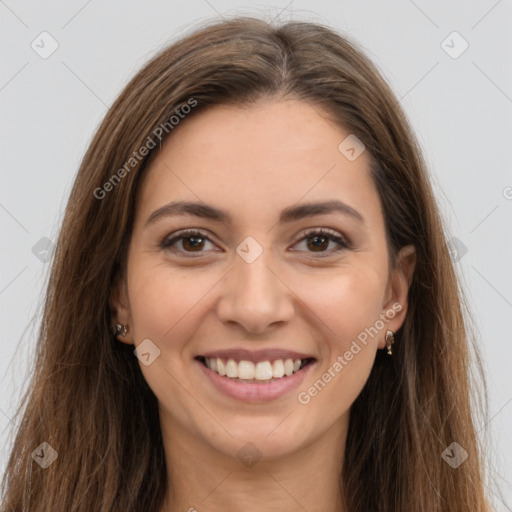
(459, 105)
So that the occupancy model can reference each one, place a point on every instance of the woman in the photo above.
(251, 305)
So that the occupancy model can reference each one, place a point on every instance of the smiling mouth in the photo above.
(260, 372)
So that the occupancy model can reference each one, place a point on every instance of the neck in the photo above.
(202, 478)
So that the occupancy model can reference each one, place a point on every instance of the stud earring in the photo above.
(120, 329)
(390, 339)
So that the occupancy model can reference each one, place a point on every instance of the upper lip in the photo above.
(270, 354)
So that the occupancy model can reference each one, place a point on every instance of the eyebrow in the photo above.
(290, 214)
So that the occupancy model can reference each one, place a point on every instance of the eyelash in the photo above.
(167, 242)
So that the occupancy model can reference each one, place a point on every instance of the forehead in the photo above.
(257, 160)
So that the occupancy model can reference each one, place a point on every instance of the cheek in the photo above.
(166, 308)
(164, 302)
(347, 301)
(349, 305)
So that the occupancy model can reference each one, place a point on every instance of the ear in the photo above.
(397, 290)
(120, 307)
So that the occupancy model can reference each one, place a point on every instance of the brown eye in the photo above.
(318, 241)
(191, 242)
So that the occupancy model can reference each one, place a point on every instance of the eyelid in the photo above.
(331, 234)
(169, 240)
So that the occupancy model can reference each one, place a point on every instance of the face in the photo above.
(251, 278)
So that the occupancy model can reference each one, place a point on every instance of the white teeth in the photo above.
(221, 368)
(232, 369)
(247, 370)
(278, 369)
(288, 367)
(263, 370)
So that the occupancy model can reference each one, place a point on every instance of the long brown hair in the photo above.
(88, 399)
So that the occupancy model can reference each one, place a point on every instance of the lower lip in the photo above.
(253, 392)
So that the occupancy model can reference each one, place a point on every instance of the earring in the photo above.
(390, 339)
(120, 329)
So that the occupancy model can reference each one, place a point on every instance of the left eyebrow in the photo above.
(289, 214)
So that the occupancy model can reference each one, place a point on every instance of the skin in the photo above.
(253, 162)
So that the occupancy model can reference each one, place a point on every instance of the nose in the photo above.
(254, 296)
